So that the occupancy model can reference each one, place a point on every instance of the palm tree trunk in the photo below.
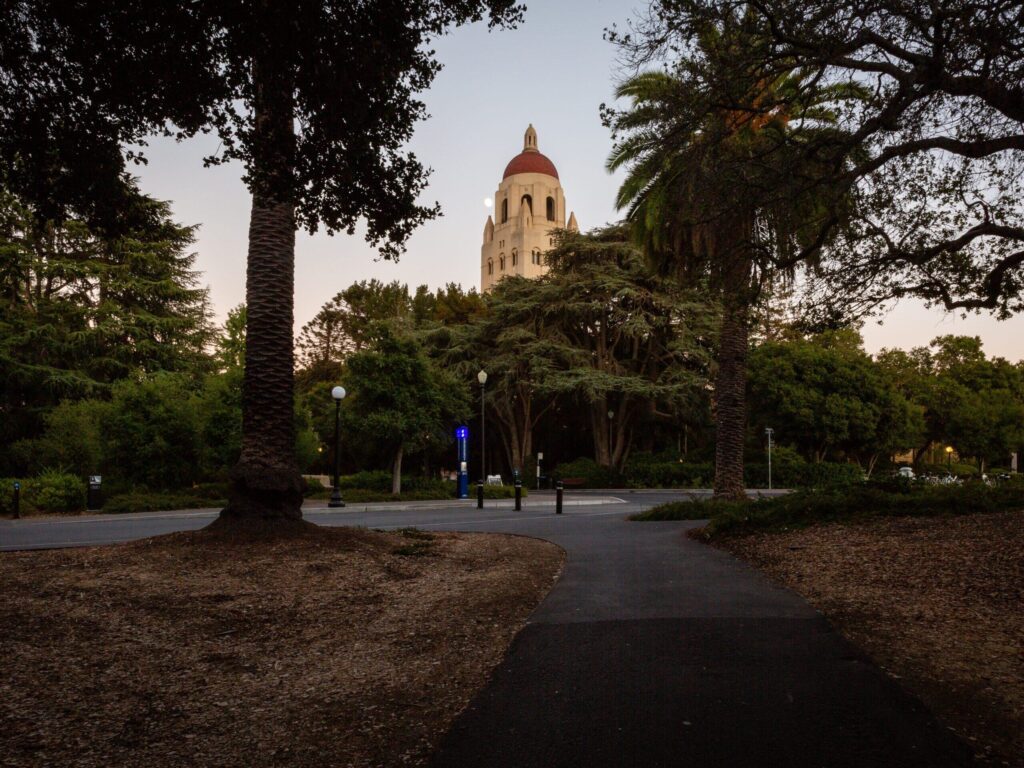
(730, 405)
(266, 483)
(731, 379)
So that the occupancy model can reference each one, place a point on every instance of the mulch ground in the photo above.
(938, 602)
(327, 647)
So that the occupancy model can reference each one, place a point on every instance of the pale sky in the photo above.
(554, 71)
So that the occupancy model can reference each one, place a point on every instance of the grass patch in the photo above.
(804, 508)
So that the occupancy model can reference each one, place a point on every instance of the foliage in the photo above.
(400, 401)
(970, 402)
(860, 502)
(934, 145)
(600, 331)
(832, 398)
(152, 431)
(139, 501)
(718, 187)
(663, 471)
(230, 343)
(258, 77)
(592, 474)
(80, 309)
(50, 491)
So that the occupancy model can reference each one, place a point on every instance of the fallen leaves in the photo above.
(321, 650)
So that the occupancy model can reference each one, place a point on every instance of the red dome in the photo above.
(530, 162)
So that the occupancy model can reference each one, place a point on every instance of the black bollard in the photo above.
(558, 497)
(480, 495)
(519, 495)
(17, 501)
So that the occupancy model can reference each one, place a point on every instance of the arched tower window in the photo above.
(504, 210)
(490, 267)
(501, 263)
(551, 209)
(528, 202)
(515, 257)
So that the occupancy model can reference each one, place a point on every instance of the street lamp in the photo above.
(482, 378)
(338, 393)
(949, 457)
(769, 431)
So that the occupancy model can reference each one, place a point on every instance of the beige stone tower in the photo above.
(528, 204)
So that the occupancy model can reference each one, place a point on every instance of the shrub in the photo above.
(588, 470)
(138, 501)
(7, 496)
(804, 508)
(313, 487)
(56, 491)
(50, 491)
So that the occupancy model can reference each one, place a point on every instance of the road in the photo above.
(651, 650)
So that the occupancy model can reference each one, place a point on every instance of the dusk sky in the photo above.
(554, 71)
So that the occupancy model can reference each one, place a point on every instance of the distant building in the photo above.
(529, 203)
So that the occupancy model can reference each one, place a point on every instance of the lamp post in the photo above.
(769, 431)
(338, 393)
(949, 458)
(482, 378)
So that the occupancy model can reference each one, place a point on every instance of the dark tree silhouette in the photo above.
(316, 98)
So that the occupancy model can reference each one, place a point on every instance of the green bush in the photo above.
(138, 501)
(56, 491)
(313, 487)
(645, 470)
(50, 491)
(590, 472)
(7, 496)
(855, 502)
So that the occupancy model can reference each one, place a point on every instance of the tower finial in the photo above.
(530, 140)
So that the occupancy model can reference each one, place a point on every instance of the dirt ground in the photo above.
(330, 647)
(938, 602)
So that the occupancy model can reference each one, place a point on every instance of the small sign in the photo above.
(540, 456)
(95, 479)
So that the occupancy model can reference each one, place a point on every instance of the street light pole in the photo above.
(338, 393)
(769, 431)
(482, 378)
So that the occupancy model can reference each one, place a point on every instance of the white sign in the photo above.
(540, 457)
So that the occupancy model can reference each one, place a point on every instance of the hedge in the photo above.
(893, 498)
(650, 471)
(50, 491)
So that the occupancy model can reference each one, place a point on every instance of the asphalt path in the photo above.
(651, 649)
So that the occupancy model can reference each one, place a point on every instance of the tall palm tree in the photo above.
(722, 184)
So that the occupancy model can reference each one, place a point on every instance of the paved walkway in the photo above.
(651, 650)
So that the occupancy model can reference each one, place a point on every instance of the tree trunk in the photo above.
(265, 484)
(731, 379)
(396, 472)
(730, 405)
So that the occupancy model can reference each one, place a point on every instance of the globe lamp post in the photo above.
(338, 393)
(482, 378)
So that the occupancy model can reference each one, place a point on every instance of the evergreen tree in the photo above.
(80, 310)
